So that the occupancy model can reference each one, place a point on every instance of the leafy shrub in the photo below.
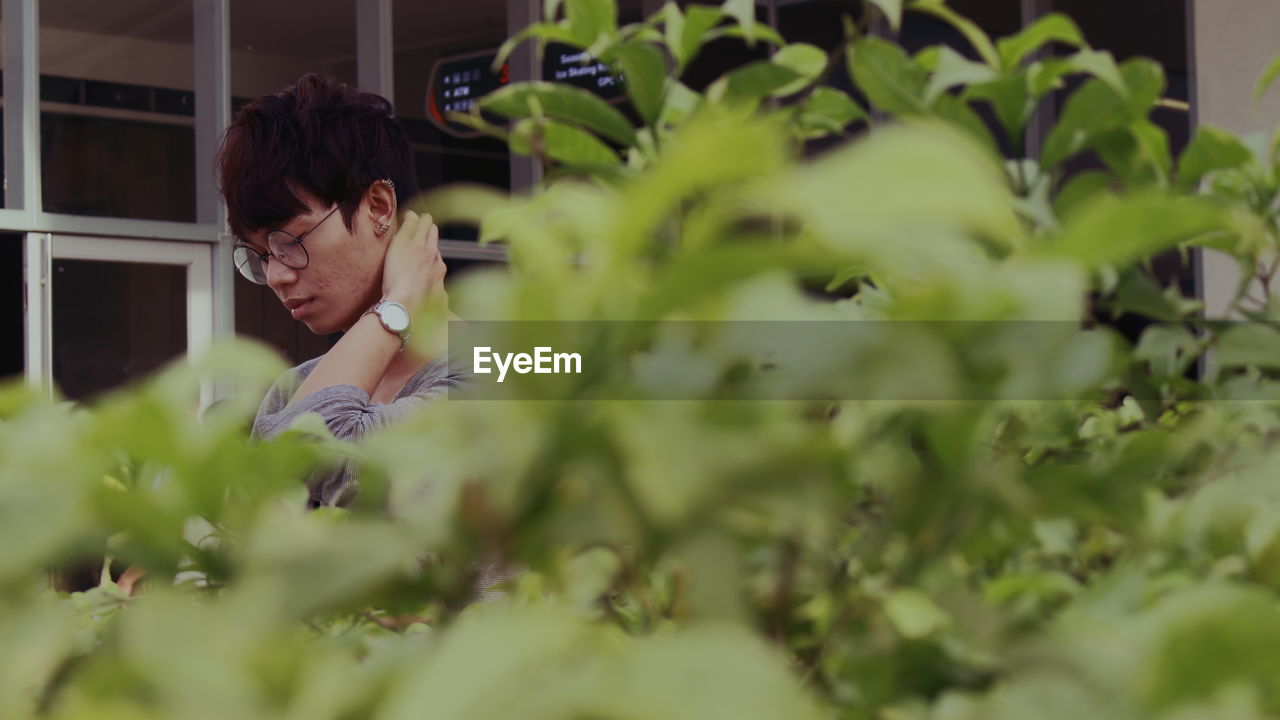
(1067, 524)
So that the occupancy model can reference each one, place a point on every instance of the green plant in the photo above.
(1113, 554)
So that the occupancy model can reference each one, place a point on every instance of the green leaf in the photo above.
(844, 276)
(562, 102)
(1268, 77)
(1079, 189)
(679, 105)
(474, 121)
(460, 203)
(1011, 101)
(829, 111)
(712, 670)
(1097, 108)
(1138, 293)
(758, 79)
(1054, 27)
(958, 112)
(1248, 343)
(805, 60)
(1109, 230)
(879, 196)
(744, 11)
(761, 33)
(892, 11)
(553, 32)
(707, 151)
(36, 643)
(1102, 65)
(1014, 97)
(952, 69)
(978, 39)
(1137, 153)
(1211, 149)
(646, 74)
(693, 33)
(787, 72)
(673, 30)
(913, 614)
(564, 143)
(282, 554)
(1236, 623)
(590, 19)
(887, 76)
(1169, 349)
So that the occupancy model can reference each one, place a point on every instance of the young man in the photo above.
(314, 177)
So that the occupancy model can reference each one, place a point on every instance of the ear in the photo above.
(381, 200)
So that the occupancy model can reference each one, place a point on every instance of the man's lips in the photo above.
(298, 306)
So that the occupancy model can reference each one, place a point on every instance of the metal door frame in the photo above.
(39, 252)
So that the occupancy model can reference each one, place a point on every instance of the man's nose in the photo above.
(279, 275)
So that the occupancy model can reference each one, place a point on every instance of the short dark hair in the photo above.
(317, 135)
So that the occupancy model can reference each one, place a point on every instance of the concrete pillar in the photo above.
(1232, 41)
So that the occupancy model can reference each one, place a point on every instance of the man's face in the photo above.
(343, 273)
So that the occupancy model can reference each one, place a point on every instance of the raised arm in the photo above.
(412, 271)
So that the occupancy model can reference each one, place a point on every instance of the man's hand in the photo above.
(413, 269)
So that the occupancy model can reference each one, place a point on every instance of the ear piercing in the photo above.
(383, 227)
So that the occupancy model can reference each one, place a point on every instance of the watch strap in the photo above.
(376, 309)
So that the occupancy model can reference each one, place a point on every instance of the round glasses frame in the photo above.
(282, 246)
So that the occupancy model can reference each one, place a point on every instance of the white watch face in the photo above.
(394, 316)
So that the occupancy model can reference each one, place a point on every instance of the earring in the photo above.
(383, 227)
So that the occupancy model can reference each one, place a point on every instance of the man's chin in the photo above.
(317, 328)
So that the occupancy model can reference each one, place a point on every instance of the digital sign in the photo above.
(458, 81)
(569, 65)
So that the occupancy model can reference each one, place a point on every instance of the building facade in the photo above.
(113, 257)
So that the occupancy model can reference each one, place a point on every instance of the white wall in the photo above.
(1233, 40)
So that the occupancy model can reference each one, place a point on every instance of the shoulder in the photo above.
(285, 385)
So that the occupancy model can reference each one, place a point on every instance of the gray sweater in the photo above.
(349, 414)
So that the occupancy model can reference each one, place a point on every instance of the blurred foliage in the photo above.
(1112, 556)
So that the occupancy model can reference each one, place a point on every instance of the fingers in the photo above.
(431, 234)
(414, 267)
(409, 226)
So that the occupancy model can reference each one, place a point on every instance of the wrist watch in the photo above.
(394, 318)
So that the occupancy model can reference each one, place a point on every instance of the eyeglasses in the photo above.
(283, 247)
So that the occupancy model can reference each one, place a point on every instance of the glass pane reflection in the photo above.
(114, 322)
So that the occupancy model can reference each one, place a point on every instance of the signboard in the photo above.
(569, 65)
(457, 81)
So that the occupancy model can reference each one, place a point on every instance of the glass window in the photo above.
(1163, 37)
(273, 43)
(117, 109)
(12, 360)
(998, 18)
(427, 36)
(114, 322)
(4, 201)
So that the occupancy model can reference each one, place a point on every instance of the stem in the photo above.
(787, 561)
(1023, 188)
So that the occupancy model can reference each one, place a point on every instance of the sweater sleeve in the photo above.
(346, 410)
